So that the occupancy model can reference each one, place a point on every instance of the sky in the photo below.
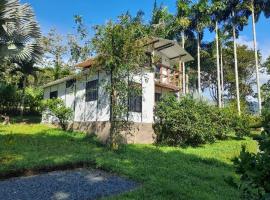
(59, 14)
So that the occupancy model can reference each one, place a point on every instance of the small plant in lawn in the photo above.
(58, 109)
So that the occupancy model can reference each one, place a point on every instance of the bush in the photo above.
(255, 168)
(193, 122)
(184, 122)
(33, 98)
(59, 110)
(255, 122)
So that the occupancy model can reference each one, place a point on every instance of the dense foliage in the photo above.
(10, 99)
(255, 168)
(57, 108)
(120, 48)
(192, 122)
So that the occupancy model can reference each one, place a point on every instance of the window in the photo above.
(70, 83)
(135, 97)
(157, 97)
(53, 95)
(91, 93)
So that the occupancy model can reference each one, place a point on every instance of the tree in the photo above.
(235, 20)
(254, 8)
(183, 21)
(19, 32)
(266, 86)
(223, 38)
(20, 38)
(55, 50)
(26, 68)
(119, 49)
(79, 44)
(163, 23)
(217, 15)
(200, 20)
(245, 67)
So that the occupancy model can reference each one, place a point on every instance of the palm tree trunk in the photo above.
(199, 62)
(23, 96)
(183, 66)
(218, 68)
(236, 69)
(221, 75)
(256, 60)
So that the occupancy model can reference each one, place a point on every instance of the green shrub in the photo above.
(59, 110)
(255, 168)
(184, 122)
(193, 122)
(235, 123)
(255, 121)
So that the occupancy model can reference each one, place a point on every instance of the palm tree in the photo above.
(200, 20)
(183, 21)
(236, 21)
(223, 37)
(217, 15)
(19, 32)
(254, 8)
(20, 38)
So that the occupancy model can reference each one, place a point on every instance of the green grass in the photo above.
(163, 172)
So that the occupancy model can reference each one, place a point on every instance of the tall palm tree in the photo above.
(217, 15)
(19, 32)
(255, 8)
(236, 21)
(223, 37)
(183, 21)
(200, 20)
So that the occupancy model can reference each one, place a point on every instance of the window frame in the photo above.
(91, 91)
(134, 99)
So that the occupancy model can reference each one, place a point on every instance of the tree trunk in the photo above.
(256, 60)
(221, 75)
(23, 96)
(218, 68)
(236, 70)
(199, 62)
(183, 66)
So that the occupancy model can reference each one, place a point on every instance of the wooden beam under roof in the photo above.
(165, 46)
(180, 56)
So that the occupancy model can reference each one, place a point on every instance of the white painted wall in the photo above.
(100, 110)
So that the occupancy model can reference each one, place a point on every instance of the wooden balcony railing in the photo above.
(168, 77)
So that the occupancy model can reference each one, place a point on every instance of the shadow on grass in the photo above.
(171, 173)
(28, 119)
(165, 172)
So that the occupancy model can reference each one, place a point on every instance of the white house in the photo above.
(86, 93)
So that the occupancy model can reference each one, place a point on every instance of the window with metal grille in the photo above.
(157, 97)
(91, 91)
(135, 97)
(53, 95)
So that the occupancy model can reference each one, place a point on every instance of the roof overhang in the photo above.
(86, 64)
(170, 48)
(73, 76)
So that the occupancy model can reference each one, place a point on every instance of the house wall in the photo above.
(94, 116)
(74, 97)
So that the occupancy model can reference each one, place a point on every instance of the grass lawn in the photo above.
(164, 172)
